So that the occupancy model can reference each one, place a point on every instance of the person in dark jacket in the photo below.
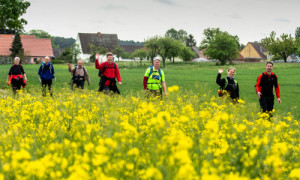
(264, 89)
(15, 77)
(229, 83)
(46, 73)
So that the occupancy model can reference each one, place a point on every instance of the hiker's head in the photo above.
(17, 60)
(109, 57)
(269, 66)
(156, 62)
(79, 63)
(231, 71)
(47, 59)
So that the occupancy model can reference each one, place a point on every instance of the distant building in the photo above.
(255, 52)
(34, 49)
(85, 40)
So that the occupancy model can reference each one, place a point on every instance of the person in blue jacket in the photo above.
(46, 73)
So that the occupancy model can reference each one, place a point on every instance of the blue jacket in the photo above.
(46, 72)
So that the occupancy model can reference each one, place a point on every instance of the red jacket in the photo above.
(23, 83)
(110, 71)
(265, 84)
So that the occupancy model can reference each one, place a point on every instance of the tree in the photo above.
(209, 34)
(118, 51)
(284, 46)
(10, 15)
(61, 42)
(164, 47)
(152, 46)
(222, 47)
(297, 32)
(17, 47)
(41, 34)
(96, 49)
(175, 51)
(38, 33)
(75, 52)
(140, 53)
(180, 35)
(190, 41)
(67, 55)
(186, 53)
(172, 33)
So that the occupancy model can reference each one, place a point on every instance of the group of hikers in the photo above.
(153, 82)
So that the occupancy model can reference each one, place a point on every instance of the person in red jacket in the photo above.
(15, 77)
(264, 89)
(108, 71)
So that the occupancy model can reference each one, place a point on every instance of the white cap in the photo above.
(17, 59)
(156, 58)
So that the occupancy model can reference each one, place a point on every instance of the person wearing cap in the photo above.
(46, 73)
(229, 84)
(154, 79)
(108, 71)
(15, 77)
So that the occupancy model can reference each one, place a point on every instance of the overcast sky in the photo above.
(138, 20)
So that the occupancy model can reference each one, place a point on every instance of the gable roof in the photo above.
(108, 41)
(260, 49)
(31, 45)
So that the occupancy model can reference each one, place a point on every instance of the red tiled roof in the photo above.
(31, 45)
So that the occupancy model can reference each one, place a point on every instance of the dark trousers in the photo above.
(79, 83)
(266, 103)
(16, 84)
(44, 84)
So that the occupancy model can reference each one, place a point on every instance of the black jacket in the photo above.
(232, 87)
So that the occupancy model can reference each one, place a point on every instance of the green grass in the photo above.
(191, 77)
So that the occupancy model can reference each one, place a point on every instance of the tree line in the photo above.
(217, 44)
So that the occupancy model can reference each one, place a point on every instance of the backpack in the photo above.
(101, 73)
(151, 71)
(51, 66)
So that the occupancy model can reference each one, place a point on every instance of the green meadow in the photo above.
(190, 77)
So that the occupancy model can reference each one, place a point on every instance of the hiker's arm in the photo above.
(145, 82)
(8, 77)
(71, 70)
(52, 71)
(87, 77)
(97, 65)
(165, 87)
(219, 81)
(118, 74)
(238, 91)
(258, 87)
(40, 71)
(25, 78)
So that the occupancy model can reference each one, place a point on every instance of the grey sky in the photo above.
(137, 20)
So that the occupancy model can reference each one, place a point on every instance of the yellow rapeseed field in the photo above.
(86, 135)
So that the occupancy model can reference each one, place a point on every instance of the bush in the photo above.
(57, 61)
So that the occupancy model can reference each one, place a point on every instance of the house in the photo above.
(34, 49)
(85, 40)
(255, 52)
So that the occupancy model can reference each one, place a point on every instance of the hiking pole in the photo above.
(40, 79)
